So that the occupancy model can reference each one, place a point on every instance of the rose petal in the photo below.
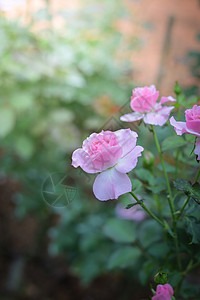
(129, 161)
(167, 99)
(80, 158)
(159, 117)
(144, 99)
(107, 158)
(161, 297)
(179, 127)
(132, 117)
(194, 125)
(110, 184)
(197, 149)
(127, 140)
(163, 292)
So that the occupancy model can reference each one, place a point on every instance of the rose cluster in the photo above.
(114, 154)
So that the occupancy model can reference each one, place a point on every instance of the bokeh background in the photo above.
(67, 69)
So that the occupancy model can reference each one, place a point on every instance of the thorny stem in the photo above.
(147, 210)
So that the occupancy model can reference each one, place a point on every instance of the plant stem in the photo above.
(184, 205)
(190, 267)
(197, 177)
(147, 210)
(165, 173)
(170, 198)
(188, 198)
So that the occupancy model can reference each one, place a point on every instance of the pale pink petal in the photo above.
(127, 140)
(167, 99)
(193, 125)
(110, 184)
(82, 159)
(159, 117)
(197, 149)
(129, 161)
(132, 117)
(179, 127)
(107, 158)
(144, 100)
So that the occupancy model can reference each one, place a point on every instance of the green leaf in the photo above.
(121, 231)
(159, 250)
(193, 228)
(190, 190)
(182, 185)
(168, 168)
(136, 185)
(123, 257)
(195, 192)
(175, 277)
(146, 175)
(173, 142)
(24, 147)
(147, 271)
(7, 121)
(160, 186)
(149, 233)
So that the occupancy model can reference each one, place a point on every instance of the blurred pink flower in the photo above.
(145, 106)
(135, 213)
(163, 292)
(112, 154)
(192, 126)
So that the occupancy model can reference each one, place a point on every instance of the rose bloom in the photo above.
(145, 106)
(192, 126)
(163, 292)
(112, 154)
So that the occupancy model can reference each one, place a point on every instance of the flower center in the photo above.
(100, 142)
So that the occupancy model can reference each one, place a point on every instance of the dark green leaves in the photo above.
(190, 190)
(121, 231)
(149, 233)
(124, 257)
(145, 175)
(172, 142)
(193, 228)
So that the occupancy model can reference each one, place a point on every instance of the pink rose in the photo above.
(112, 154)
(144, 105)
(163, 292)
(192, 126)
